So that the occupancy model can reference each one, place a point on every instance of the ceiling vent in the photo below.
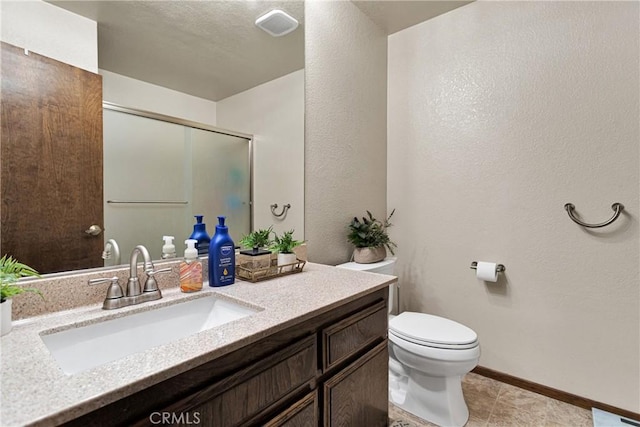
(277, 23)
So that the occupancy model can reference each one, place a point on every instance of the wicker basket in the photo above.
(246, 272)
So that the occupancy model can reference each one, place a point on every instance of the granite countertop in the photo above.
(35, 391)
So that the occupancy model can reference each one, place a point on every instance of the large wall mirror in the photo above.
(210, 50)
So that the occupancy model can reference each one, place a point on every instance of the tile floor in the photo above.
(493, 403)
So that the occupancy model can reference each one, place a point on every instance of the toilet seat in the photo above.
(432, 331)
(436, 353)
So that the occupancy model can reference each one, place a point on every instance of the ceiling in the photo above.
(395, 15)
(212, 49)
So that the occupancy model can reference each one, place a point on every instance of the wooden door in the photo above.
(51, 162)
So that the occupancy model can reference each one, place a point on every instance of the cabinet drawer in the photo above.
(258, 387)
(303, 413)
(347, 337)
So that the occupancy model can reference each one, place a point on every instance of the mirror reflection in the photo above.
(176, 59)
(187, 172)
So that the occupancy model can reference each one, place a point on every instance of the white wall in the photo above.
(132, 93)
(499, 113)
(50, 31)
(274, 113)
(345, 125)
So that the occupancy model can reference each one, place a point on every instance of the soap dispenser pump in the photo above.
(200, 234)
(168, 249)
(191, 269)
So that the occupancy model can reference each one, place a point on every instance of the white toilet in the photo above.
(428, 356)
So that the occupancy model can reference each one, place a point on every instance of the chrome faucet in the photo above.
(134, 294)
(133, 284)
(108, 247)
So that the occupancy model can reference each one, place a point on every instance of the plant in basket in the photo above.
(284, 246)
(370, 238)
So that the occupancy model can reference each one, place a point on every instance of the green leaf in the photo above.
(284, 244)
(257, 239)
(370, 232)
(10, 271)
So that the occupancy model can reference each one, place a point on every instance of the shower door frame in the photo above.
(196, 125)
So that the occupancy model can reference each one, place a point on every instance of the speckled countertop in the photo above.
(35, 391)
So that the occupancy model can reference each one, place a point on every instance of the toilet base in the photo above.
(438, 400)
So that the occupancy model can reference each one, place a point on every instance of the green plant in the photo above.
(10, 271)
(370, 232)
(257, 239)
(284, 244)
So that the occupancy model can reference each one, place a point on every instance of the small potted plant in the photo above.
(10, 271)
(256, 256)
(283, 246)
(370, 239)
(257, 239)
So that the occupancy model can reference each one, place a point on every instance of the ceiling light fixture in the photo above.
(277, 23)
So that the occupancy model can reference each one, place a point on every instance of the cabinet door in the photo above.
(303, 413)
(358, 395)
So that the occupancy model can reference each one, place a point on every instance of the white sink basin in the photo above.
(86, 347)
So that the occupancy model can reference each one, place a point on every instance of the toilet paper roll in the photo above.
(487, 271)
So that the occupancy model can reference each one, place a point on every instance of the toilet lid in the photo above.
(432, 331)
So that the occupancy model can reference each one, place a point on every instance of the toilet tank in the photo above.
(386, 266)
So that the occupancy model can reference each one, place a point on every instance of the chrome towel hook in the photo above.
(617, 209)
(285, 208)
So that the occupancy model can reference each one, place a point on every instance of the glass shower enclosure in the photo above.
(159, 172)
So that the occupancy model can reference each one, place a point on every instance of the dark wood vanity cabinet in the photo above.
(328, 370)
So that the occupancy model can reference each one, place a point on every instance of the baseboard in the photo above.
(553, 393)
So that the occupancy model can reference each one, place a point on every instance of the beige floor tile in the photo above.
(480, 405)
(505, 414)
(495, 404)
(523, 399)
(563, 414)
(475, 422)
(396, 413)
(479, 384)
(517, 407)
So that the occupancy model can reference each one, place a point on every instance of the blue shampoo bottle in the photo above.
(222, 256)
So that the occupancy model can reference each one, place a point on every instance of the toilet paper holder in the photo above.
(499, 268)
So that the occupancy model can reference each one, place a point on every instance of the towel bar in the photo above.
(617, 209)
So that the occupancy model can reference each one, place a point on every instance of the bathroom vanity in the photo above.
(314, 353)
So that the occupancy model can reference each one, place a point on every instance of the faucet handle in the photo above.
(114, 291)
(151, 285)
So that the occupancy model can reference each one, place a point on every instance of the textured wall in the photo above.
(134, 93)
(499, 113)
(50, 31)
(345, 125)
(274, 113)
